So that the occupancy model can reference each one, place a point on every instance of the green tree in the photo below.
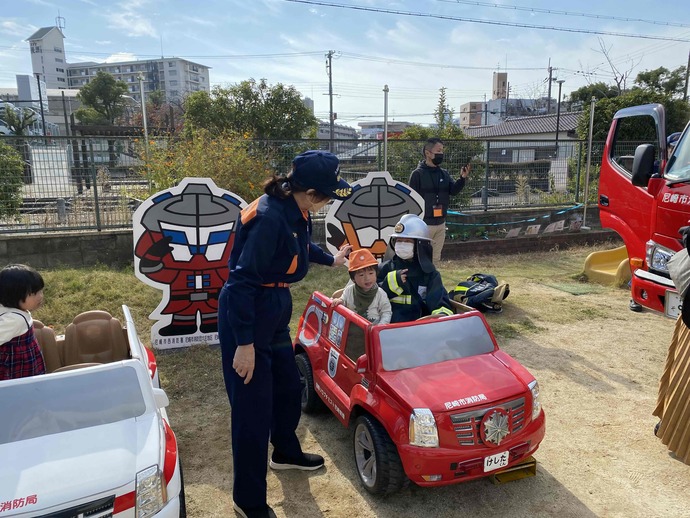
(443, 114)
(599, 90)
(11, 180)
(662, 80)
(677, 112)
(251, 109)
(19, 120)
(102, 100)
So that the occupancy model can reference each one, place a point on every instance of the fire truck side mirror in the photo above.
(643, 165)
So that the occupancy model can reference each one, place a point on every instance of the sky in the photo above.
(415, 47)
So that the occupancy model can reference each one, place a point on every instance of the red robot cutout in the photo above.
(183, 237)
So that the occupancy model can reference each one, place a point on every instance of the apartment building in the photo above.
(176, 77)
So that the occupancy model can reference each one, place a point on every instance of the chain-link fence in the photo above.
(79, 183)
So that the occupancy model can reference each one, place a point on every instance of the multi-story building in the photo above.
(472, 114)
(48, 56)
(500, 85)
(176, 77)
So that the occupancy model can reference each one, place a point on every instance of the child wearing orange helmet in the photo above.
(363, 295)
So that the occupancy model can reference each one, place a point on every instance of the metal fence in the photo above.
(87, 183)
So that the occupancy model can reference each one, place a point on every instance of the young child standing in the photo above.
(21, 291)
(364, 296)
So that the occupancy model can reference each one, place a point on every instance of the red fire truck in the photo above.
(644, 195)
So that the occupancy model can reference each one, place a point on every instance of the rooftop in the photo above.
(536, 124)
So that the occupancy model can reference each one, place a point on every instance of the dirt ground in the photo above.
(598, 365)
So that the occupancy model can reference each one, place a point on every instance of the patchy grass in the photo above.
(199, 411)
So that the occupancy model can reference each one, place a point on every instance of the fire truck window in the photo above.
(355, 342)
(630, 133)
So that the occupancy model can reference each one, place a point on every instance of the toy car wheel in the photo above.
(310, 400)
(378, 463)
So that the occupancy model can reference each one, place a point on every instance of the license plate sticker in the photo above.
(493, 462)
(672, 304)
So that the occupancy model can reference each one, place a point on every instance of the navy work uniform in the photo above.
(272, 250)
(422, 294)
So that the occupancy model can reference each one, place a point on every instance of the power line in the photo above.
(565, 13)
(426, 65)
(487, 22)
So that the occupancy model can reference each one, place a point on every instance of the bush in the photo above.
(11, 180)
(225, 159)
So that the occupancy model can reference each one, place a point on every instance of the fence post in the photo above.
(485, 189)
(92, 168)
(579, 167)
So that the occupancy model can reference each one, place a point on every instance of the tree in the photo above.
(102, 100)
(599, 90)
(662, 80)
(11, 173)
(677, 112)
(250, 108)
(443, 113)
(19, 119)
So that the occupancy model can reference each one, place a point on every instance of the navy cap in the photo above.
(319, 170)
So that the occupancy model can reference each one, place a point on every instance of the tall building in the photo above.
(48, 56)
(176, 77)
(500, 85)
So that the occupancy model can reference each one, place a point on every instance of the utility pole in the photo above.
(385, 127)
(558, 112)
(486, 111)
(143, 115)
(329, 69)
(687, 73)
(548, 96)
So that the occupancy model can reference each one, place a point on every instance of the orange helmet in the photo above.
(361, 259)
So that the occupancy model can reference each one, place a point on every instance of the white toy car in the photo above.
(91, 437)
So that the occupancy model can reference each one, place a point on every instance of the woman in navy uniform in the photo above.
(272, 250)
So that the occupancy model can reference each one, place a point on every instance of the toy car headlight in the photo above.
(536, 403)
(151, 492)
(658, 256)
(423, 431)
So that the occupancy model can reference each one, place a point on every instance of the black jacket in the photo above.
(436, 186)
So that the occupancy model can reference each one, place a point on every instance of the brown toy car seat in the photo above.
(94, 337)
(49, 346)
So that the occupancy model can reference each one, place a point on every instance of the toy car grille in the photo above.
(101, 508)
(466, 425)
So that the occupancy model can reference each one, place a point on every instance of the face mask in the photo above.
(438, 159)
(404, 250)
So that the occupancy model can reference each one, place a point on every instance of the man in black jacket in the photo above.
(436, 186)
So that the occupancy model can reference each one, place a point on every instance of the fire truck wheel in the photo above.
(378, 463)
(310, 402)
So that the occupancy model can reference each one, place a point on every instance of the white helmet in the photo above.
(411, 226)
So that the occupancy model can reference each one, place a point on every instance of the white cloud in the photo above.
(130, 17)
(120, 56)
(12, 28)
(102, 42)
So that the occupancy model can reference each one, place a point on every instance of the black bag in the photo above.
(481, 291)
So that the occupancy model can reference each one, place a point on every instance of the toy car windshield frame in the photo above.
(57, 403)
(433, 342)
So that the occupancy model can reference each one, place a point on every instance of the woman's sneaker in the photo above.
(254, 512)
(308, 461)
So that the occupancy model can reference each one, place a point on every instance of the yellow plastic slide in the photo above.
(608, 266)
